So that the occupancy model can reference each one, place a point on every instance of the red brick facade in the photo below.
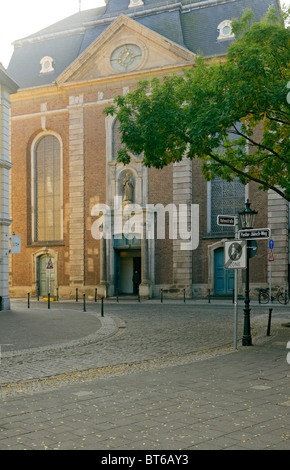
(72, 110)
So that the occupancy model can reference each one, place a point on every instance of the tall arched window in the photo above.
(47, 190)
(227, 198)
(224, 197)
(117, 139)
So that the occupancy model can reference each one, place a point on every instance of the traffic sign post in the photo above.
(271, 259)
(232, 251)
(235, 258)
(49, 266)
(235, 254)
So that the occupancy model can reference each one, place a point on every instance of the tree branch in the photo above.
(248, 176)
(256, 144)
(277, 120)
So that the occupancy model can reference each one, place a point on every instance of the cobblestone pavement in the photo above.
(38, 342)
(144, 376)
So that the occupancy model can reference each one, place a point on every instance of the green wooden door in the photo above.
(46, 276)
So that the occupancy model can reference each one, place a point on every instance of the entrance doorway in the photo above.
(224, 279)
(45, 277)
(127, 262)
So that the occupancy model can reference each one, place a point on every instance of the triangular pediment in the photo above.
(126, 47)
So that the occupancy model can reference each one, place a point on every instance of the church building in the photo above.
(87, 221)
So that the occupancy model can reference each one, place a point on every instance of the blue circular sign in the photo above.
(271, 244)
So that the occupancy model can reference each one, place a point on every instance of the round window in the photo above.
(46, 64)
(226, 30)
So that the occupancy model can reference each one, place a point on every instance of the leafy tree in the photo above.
(233, 113)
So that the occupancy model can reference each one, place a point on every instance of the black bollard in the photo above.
(57, 298)
(77, 294)
(96, 294)
(184, 295)
(139, 300)
(269, 322)
(209, 296)
(84, 295)
(102, 309)
(161, 296)
(48, 301)
(28, 300)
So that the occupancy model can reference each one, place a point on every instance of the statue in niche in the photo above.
(128, 189)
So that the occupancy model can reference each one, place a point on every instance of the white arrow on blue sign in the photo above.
(271, 244)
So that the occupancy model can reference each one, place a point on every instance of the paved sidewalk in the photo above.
(214, 398)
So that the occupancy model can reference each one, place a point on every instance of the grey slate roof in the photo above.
(189, 23)
(7, 81)
(200, 26)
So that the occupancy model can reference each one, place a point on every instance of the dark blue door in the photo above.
(224, 279)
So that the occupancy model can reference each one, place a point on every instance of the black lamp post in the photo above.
(247, 219)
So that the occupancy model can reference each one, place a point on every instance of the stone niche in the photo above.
(126, 187)
(117, 172)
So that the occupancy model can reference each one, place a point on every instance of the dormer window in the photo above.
(225, 30)
(135, 3)
(46, 64)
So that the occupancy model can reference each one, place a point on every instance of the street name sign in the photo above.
(226, 220)
(235, 254)
(255, 234)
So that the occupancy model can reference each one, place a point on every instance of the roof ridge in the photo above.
(49, 32)
(82, 24)
(55, 27)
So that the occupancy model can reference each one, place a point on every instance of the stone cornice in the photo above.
(7, 81)
(5, 164)
(4, 220)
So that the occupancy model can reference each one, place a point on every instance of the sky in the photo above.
(20, 18)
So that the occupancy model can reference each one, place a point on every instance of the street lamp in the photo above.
(247, 220)
(247, 216)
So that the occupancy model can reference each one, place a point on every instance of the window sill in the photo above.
(56, 243)
(209, 236)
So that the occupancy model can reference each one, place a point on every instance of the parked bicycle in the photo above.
(281, 295)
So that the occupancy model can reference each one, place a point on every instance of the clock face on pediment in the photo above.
(126, 57)
(125, 47)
